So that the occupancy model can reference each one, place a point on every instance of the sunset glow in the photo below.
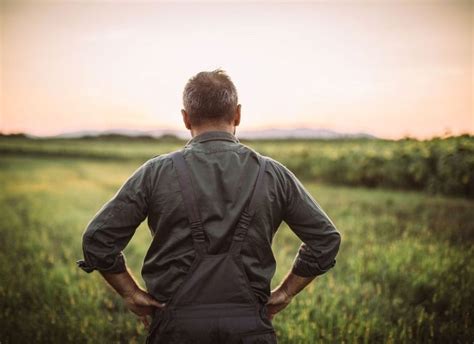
(390, 68)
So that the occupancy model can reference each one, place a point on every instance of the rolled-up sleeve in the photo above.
(320, 237)
(112, 227)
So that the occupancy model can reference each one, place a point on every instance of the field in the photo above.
(404, 273)
(441, 166)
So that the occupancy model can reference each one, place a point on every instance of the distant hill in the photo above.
(271, 133)
(299, 133)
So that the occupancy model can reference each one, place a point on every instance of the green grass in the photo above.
(404, 273)
(437, 166)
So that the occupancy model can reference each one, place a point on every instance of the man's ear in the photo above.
(237, 115)
(186, 120)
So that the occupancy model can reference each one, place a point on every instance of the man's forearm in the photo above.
(123, 282)
(292, 284)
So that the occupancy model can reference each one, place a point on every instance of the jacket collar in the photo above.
(213, 135)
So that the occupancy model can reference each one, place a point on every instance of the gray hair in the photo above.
(210, 97)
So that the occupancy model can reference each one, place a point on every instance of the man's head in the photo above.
(210, 101)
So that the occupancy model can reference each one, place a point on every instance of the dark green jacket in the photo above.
(223, 172)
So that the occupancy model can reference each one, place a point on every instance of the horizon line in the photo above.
(447, 133)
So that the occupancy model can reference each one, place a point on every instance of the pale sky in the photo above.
(389, 68)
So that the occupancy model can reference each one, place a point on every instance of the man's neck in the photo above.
(228, 128)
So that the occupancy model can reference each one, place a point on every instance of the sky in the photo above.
(389, 68)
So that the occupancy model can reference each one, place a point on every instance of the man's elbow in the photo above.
(90, 243)
(89, 233)
(87, 238)
(331, 250)
(335, 241)
(86, 263)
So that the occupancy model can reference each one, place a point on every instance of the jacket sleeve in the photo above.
(112, 227)
(320, 237)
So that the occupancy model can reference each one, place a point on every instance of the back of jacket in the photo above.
(223, 173)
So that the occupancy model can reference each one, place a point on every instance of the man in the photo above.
(213, 208)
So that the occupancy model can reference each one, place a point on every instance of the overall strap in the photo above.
(247, 214)
(189, 199)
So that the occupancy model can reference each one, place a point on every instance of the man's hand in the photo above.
(279, 299)
(282, 295)
(136, 299)
(142, 304)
